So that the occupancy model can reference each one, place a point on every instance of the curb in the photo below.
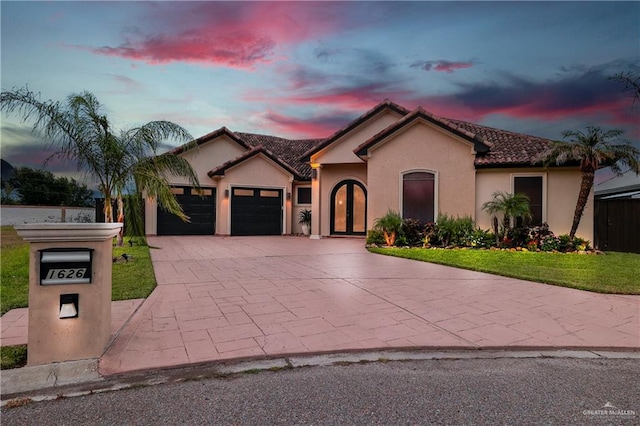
(77, 378)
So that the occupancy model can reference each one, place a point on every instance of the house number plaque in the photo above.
(65, 266)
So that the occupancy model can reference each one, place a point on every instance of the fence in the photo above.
(19, 215)
(617, 225)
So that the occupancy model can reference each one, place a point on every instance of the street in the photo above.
(459, 392)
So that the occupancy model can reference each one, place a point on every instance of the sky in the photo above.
(306, 69)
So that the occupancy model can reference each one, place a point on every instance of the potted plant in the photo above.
(304, 218)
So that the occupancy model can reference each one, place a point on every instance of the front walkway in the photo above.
(222, 298)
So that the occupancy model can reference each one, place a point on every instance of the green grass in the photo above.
(13, 356)
(131, 280)
(615, 273)
(14, 270)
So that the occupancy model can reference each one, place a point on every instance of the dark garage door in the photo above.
(200, 208)
(256, 211)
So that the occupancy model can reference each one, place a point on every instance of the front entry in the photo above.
(349, 208)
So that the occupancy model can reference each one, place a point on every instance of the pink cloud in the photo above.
(354, 99)
(236, 35)
(442, 65)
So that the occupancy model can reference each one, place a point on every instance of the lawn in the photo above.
(131, 280)
(615, 273)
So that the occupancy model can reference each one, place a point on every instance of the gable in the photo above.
(341, 150)
(257, 169)
(422, 144)
(209, 155)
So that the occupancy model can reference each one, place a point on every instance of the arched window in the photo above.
(418, 196)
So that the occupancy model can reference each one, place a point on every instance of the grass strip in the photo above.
(613, 273)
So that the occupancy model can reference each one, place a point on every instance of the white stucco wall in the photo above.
(560, 193)
(422, 147)
(341, 150)
(256, 172)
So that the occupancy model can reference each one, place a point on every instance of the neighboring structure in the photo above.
(389, 158)
(625, 186)
(617, 213)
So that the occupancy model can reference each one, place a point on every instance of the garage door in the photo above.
(256, 211)
(200, 208)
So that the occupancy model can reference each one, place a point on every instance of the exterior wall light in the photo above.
(226, 193)
(68, 306)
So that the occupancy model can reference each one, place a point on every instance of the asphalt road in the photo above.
(454, 392)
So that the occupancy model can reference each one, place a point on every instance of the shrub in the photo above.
(430, 232)
(413, 232)
(454, 231)
(481, 238)
(376, 237)
(577, 244)
(549, 243)
(581, 243)
(565, 243)
(390, 224)
(519, 236)
(401, 241)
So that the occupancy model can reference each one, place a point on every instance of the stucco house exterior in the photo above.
(389, 158)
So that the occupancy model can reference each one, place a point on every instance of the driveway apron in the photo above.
(221, 298)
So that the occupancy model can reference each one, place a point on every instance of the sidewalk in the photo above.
(271, 297)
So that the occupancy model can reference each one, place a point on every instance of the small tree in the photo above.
(592, 149)
(390, 224)
(511, 206)
(121, 162)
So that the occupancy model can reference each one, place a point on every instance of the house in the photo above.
(617, 213)
(625, 186)
(389, 158)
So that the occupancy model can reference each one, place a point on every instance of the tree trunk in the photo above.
(583, 197)
(108, 211)
(120, 240)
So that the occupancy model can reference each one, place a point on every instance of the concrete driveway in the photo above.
(222, 298)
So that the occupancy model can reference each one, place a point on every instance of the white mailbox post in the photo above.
(69, 290)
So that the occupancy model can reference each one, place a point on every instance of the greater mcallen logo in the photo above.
(610, 410)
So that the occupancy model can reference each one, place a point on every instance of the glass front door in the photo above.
(349, 208)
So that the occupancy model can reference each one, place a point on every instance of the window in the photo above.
(418, 196)
(270, 194)
(239, 192)
(532, 187)
(303, 195)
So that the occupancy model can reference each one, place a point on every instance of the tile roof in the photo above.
(290, 151)
(508, 148)
(494, 147)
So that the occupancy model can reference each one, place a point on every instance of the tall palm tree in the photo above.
(593, 149)
(512, 206)
(125, 161)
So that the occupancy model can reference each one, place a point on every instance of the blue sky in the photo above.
(305, 69)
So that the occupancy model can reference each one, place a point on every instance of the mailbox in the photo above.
(65, 266)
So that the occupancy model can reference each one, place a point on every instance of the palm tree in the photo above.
(125, 161)
(510, 205)
(593, 149)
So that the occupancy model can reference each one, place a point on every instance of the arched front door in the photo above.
(349, 208)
